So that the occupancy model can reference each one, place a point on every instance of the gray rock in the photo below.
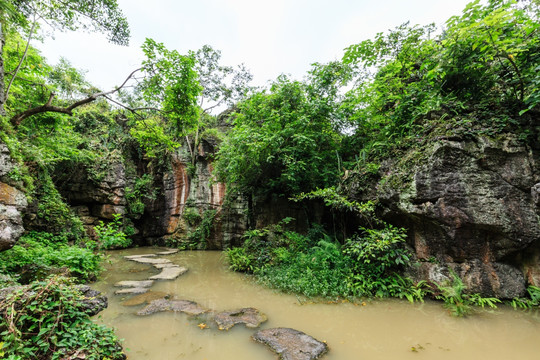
(93, 301)
(160, 305)
(291, 344)
(135, 283)
(169, 273)
(251, 317)
(471, 204)
(150, 260)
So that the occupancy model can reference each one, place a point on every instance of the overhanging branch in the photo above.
(47, 107)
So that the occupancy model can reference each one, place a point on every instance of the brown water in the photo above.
(388, 329)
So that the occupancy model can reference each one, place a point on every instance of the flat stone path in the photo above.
(251, 317)
(169, 273)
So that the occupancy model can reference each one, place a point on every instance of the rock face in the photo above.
(193, 190)
(12, 202)
(291, 344)
(472, 206)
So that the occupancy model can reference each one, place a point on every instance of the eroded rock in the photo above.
(145, 298)
(160, 305)
(251, 317)
(291, 344)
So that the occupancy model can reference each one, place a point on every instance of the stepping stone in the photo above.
(132, 290)
(169, 273)
(145, 298)
(161, 266)
(131, 257)
(151, 260)
(133, 283)
(168, 252)
(185, 306)
(291, 344)
(251, 317)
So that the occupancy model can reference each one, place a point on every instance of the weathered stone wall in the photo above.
(12, 202)
(196, 191)
(471, 206)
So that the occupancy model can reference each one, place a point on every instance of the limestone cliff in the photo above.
(12, 202)
(471, 205)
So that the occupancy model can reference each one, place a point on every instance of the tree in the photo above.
(27, 16)
(186, 88)
(282, 141)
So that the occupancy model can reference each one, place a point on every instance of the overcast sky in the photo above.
(269, 37)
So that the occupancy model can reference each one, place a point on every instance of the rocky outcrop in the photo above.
(12, 202)
(471, 206)
(291, 344)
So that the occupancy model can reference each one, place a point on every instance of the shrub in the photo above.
(47, 321)
(37, 254)
(111, 236)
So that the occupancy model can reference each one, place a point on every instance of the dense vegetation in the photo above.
(297, 139)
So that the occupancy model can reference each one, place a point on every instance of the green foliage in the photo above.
(111, 235)
(376, 255)
(197, 239)
(37, 254)
(52, 210)
(172, 84)
(526, 303)
(316, 266)
(142, 190)
(151, 135)
(102, 16)
(457, 301)
(47, 321)
(192, 216)
(239, 260)
(281, 142)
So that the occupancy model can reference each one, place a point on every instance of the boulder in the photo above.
(250, 317)
(291, 344)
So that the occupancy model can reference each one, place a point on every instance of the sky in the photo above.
(269, 37)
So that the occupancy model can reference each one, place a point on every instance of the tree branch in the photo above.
(17, 119)
(23, 57)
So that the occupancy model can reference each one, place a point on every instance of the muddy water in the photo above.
(387, 329)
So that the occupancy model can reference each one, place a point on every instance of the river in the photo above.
(373, 330)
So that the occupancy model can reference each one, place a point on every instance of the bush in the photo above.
(110, 236)
(37, 254)
(47, 321)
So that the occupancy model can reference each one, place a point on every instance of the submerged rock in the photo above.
(185, 306)
(150, 260)
(131, 257)
(168, 252)
(251, 317)
(291, 344)
(131, 291)
(145, 298)
(169, 273)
